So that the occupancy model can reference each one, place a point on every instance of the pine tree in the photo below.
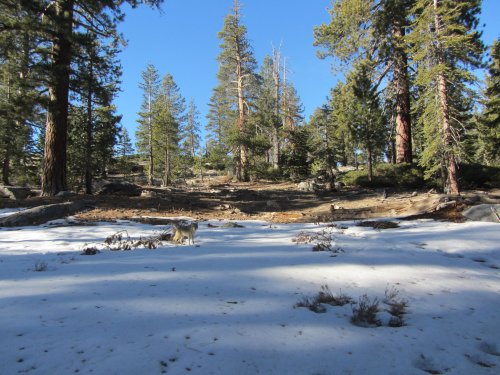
(361, 29)
(106, 132)
(192, 130)
(341, 103)
(150, 85)
(20, 110)
(124, 146)
(58, 26)
(96, 83)
(366, 119)
(169, 107)
(321, 137)
(236, 77)
(446, 45)
(220, 118)
(292, 107)
(267, 116)
(489, 120)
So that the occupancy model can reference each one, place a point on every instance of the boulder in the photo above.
(65, 194)
(120, 188)
(307, 185)
(149, 194)
(483, 212)
(15, 192)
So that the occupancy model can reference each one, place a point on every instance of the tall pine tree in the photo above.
(375, 29)
(150, 85)
(237, 78)
(489, 120)
(446, 45)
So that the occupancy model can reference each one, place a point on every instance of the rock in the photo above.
(149, 194)
(232, 225)
(338, 185)
(313, 186)
(273, 205)
(307, 185)
(120, 188)
(223, 207)
(15, 192)
(471, 200)
(445, 204)
(65, 194)
(483, 212)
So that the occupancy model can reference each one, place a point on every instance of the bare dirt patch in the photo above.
(272, 201)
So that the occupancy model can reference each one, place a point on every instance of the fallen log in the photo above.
(42, 214)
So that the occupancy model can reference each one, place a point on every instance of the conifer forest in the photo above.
(419, 98)
(278, 187)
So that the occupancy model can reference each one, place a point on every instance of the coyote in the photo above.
(182, 230)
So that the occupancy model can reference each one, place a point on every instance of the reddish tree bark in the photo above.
(54, 165)
(402, 88)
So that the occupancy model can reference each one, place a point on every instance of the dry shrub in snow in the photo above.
(118, 241)
(325, 296)
(397, 307)
(40, 266)
(323, 240)
(364, 313)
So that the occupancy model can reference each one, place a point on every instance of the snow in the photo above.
(227, 305)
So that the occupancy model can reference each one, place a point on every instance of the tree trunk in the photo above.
(150, 129)
(442, 88)
(276, 148)
(369, 163)
(166, 178)
(6, 167)
(54, 165)
(88, 145)
(243, 160)
(402, 87)
(277, 100)
(7, 143)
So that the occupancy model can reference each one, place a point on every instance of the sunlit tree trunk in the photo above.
(402, 87)
(56, 132)
(442, 90)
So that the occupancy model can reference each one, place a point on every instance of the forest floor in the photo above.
(278, 202)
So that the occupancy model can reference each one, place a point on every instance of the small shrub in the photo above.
(118, 241)
(387, 175)
(116, 237)
(40, 266)
(324, 296)
(474, 176)
(323, 240)
(397, 307)
(311, 304)
(364, 313)
(90, 251)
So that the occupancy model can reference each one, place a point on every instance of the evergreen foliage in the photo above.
(409, 95)
(489, 120)
(150, 85)
(238, 82)
(169, 107)
(446, 45)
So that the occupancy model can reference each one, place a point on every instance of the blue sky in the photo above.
(182, 40)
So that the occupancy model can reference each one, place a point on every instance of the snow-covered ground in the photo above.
(227, 306)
